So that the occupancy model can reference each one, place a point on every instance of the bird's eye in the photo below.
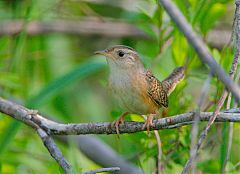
(121, 54)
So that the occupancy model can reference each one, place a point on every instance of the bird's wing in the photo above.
(155, 90)
(173, 79)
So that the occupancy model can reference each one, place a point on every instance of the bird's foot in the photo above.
(119, 121)
(148, 123)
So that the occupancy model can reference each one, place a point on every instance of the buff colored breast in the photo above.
(130, 91)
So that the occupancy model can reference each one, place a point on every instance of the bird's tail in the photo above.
(173, 79)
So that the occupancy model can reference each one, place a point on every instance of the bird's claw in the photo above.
(119, 121)
(148, 123)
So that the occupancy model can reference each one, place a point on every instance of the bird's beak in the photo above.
(101, 52)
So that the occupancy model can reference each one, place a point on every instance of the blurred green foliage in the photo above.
(58, 75)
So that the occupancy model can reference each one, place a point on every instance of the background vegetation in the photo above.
(57, 74)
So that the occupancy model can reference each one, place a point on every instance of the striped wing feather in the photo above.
(156, 91)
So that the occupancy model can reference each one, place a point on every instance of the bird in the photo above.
(135, 88)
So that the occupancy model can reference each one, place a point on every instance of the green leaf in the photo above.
(8, 135)
(61, 171)
(79, 73)
(183, 6)
(175, 168)
(198, 9)
(210, 17)
(216, 55)
(82, 71)
(209, 166)
(158, 16)
(180, 48)
(148, 29)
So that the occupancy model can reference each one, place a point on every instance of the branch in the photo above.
(129, 127)
(54, 151)
(110, 169)
(100, 153)
(225, 92)
(46, 139)
(199, 46)
(87, 26)
(216, 38)
(53, 128)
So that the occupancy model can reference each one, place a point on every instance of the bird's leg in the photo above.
(148, 122)
(118, 121)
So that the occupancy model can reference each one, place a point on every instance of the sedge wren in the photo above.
(136, 89)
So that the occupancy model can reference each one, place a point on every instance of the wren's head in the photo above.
(122, 57)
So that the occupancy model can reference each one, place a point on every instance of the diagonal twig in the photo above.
(225, 92)
(46, 139)
(194, 130)
(54, 151)
(199, 46)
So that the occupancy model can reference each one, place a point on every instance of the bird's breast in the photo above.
(130, 91)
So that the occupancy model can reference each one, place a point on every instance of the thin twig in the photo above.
(54, 151)
(159, 157)
(206, 129)
(110, 169)
(230, 137)
(194, 130)
(224, 95)
(200, 47)
(235, 166)
(230, 131)
(230, 134)
(159, 168)
(47, 140)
